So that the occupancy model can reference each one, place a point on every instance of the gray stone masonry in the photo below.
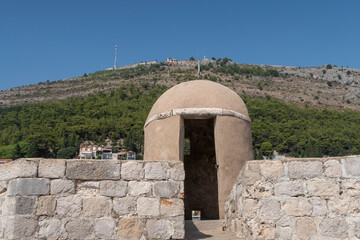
(296, 199)
(28, 186)
(97, 199)
(73, 199)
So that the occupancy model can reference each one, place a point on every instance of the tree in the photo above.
(17, 152)
(328, 66)
(192, 59)
(66, 153)
(213, 58)
(32, 151)
(266, 149)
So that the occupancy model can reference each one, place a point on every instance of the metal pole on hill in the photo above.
(199, 67)
(115, 63)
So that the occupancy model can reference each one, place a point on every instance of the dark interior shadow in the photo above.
(193, 233)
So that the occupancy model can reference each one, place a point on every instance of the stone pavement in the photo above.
(207, 229)
(207, 235)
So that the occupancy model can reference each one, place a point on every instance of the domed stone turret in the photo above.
(213, 121)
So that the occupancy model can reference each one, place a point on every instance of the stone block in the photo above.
(272, 170)
(148, 207)
(139, 188)
(46, 206)
(172, 207)
(20, 227)
(28, 186)
(113, 188)
(104, 228)
(284, 233)
(2, 186)
(297, 207)
(322, 188)
(96, 207)
(352, 166)
(269, 209)
(19, 206)
(305, 228)
(334, 228)
(52, 168)
(357, 229)
(62, 187)
(178, 225)
(1, 227)
(268, 233)
(88, 189)
(333, 168)
(49, 229)
(69, 206)
(132, 170)
(305, 169)
(177, 172)
(259, 189)
(285, 228)
(346, 206)
(289, 188)
(319, 206)
(251, 173)
(93, 170)
(166, 189)
(351, 187)
(79, 229)
(159, 229)
(124, 206)
(130, 228)
(17, 169)
(156, 170)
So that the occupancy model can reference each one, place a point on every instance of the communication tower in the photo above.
(115, 62)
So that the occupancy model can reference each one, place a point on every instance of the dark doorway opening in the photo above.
(201, 185)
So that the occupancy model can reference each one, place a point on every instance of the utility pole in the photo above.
(198, 67)
(115, 62)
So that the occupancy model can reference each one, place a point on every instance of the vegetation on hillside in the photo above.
(56, 129)
(51, 128)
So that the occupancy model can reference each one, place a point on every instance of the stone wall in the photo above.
(296, 199)
(96, 199)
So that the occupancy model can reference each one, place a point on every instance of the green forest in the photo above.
(56, 129)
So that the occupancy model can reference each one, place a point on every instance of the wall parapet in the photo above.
(91, 199)
(296, 199)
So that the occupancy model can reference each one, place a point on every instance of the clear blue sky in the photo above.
(51, 40)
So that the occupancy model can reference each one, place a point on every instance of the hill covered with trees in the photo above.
(56, 128)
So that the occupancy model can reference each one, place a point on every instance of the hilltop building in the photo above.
(89, 152)
(171, 60)
(95, 152)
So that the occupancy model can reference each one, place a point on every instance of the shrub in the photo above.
(66, 153)
(324, 71)
(348, 72)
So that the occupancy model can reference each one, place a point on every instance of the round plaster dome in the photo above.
(199, 94)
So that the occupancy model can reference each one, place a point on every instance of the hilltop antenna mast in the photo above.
(198, 66)
(115, 62)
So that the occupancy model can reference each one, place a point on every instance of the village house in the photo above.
(95, 152)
